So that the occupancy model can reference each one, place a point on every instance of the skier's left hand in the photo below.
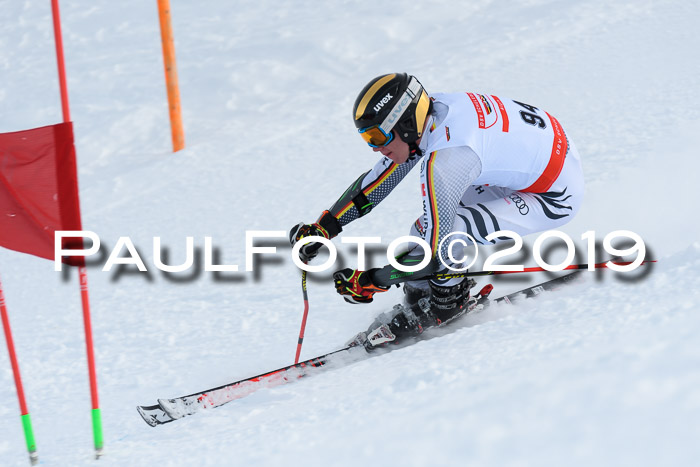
(356, 286)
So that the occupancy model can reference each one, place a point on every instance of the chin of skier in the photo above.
(487, 164)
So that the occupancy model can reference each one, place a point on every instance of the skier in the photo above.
(487, 164)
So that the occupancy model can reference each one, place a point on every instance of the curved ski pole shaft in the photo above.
(303, 320)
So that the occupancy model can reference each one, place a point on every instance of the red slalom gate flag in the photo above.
(39, 190)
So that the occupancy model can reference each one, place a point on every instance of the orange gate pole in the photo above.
(166, 36)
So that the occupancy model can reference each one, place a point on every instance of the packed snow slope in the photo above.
(606, 372)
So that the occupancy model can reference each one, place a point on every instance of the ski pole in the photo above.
(303, 320)
(532, 269)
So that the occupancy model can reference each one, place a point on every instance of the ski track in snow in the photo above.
(605, 372)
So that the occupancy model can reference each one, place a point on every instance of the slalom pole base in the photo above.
(97, 432)
(34, 458)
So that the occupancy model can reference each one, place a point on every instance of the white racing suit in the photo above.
(487, 164)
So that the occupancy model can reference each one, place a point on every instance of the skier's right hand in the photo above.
(327, 226)
(356, 286)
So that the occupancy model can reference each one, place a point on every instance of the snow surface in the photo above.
(606, 372)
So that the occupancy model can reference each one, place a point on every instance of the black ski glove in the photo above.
(326, 226)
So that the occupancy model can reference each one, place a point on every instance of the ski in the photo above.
(535, 290)
(168, 410)
(154, 415)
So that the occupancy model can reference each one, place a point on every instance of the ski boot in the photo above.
(412, 294)
(401, 322)
(450, 303)
(443, 305)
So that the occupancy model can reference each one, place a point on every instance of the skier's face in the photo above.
(396, 150)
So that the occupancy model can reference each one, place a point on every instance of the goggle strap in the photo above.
(414, 88)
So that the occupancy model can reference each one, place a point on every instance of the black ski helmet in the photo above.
(393, 101)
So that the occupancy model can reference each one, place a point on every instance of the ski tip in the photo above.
(172, 407)
(151, 420)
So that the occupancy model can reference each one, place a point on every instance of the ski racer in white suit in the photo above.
(487, 164)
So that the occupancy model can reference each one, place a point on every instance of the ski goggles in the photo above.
(375, 136)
